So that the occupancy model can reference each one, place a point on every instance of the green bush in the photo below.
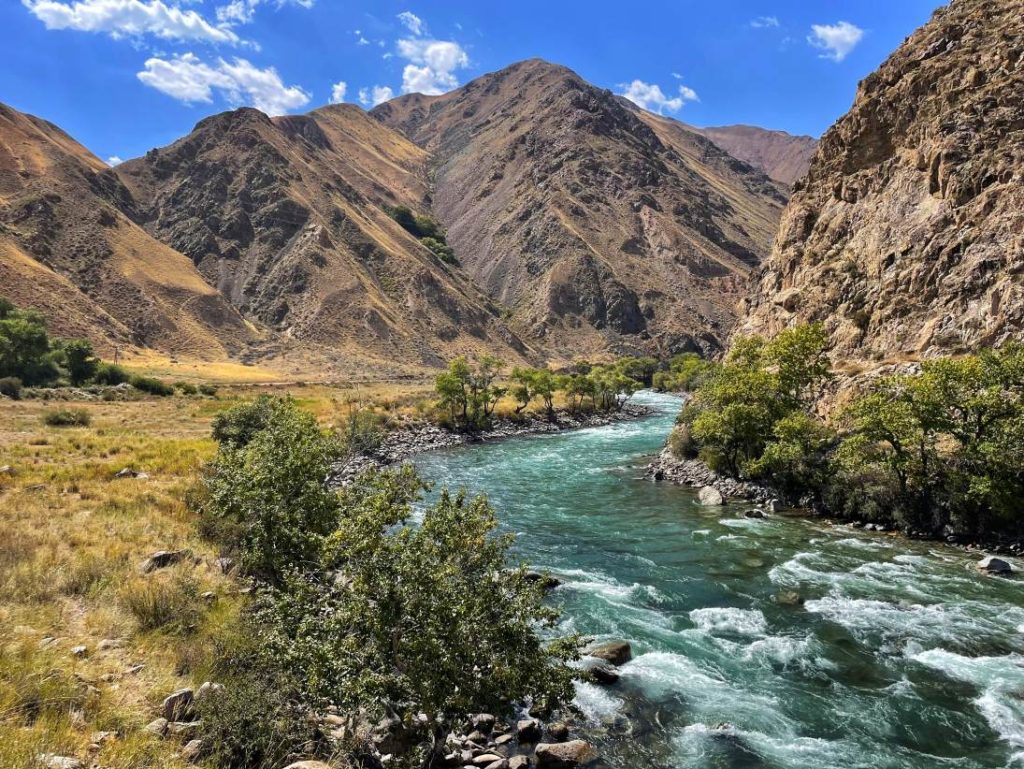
(186, 388)
(10, 386)
(111, 374)
(238, 425)
(151, 385)
(67, 418)
(208, 389)
(25, 348)
(78, 359)
(441, 249)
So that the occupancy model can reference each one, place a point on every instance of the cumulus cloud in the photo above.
(432, 64)
(190, 80)
(243, 11)
(412, 22)
(650, 97)
(114, 160)
(835, 40)
(765, 22)
(130, 18)
(338, 91)
(371, 97)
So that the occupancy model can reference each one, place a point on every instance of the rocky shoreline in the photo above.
(696, 474)
(419, 436)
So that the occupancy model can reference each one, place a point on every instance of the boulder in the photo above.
(754, 513)
(558, 732)
(162, 559)
(110, 643)
(486, 759)
(615, 652)
(157, 727)
(710, 496)
(546, 580)
(604, 673)
(208, 688)
(992, 565)
(565, 755)
(528, 730)
(500, 764)
(788, 598)
(79, 651)
(52, 761)
(518, 762)
(483, 722)
(192, 750)
(179, 705)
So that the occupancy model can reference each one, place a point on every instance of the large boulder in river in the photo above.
(615, 652)
(565, 755)
(992, 565)
(711, 496)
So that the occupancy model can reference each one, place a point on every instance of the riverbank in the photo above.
(696, 474)
(417, 436)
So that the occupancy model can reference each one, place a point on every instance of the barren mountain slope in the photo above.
(601, 226)
(907, 236)
(784, 157)
(67, 249)
(285, 216)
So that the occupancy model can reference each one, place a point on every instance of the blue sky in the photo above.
(123, 76)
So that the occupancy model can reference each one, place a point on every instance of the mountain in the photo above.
(907, 236)
(599, 225)
(782, 156)
(69, 247)
(286, 217)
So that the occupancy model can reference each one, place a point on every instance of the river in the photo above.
(901, 655)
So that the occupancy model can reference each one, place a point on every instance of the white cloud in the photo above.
(190, 80)
(363, 41)
(677, 76)
(836, 40)
(432, 65)
(412, 22)
(649, 96)
(243, 11)
(371, 97)
(338, 91)
(765, 22)
(130, 18)
(114, 160)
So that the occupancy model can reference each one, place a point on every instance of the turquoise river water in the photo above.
(901, 654)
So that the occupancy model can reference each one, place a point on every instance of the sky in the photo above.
(124, 76)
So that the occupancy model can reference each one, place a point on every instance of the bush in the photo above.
(441, 249)
(10, 386)
(238, 425)
(67, 418)
(79, 360)
(151, 385)
(111, 374)
(681, 443)
(186, 388)
(208, 390)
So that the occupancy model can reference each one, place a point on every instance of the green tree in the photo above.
(428, 618)
(25, 350)
(79, 360)
(523, 387)
(800, 354)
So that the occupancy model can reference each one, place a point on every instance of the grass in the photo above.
(67, 418)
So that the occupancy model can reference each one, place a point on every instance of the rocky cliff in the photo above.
(782, 156)
(907, 236)
(601, 226)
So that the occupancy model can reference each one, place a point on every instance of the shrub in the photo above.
(151, 385)
(186, 388)
(441, 249)
(67, 418)
(10, 386)
(208, 390)
(110, 374)
(681, 443)
(238, 425)
(79, 360)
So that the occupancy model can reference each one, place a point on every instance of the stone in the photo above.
(546, 580)
(308, 765)
(162, 559)
(604, 673)
(788, 598)
(207, 689)
(179, 705)
(53, 761)
(755, 513)
(226, 565)
(126, 472)
(486, 759)
(184, 729)
(992, 565)
(558, 732)
(528, 730)
(193, 750)
(615, 652)
(710, 496)
(503, 739)
(483, 722)
(565, 755)
(7, 470)
(518, 762)
(110, 643)
(157, 726)
(79, 651)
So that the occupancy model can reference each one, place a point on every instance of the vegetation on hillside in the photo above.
(939, 450)
(359, 607)
(426, 230)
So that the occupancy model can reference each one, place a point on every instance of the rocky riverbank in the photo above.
(693, 472)
(418, 436)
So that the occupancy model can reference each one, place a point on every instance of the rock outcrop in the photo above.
(907, 236)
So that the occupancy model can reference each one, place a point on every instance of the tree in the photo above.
(79, 360)
(264, 495)
(425, 618)
(545, 385)
(523, 388)
(800, 355)
(25, 350)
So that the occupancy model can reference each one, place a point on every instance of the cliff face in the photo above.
(599, 225)
(286, 218)
(70, 248)
(782, 156)
(907, 236)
